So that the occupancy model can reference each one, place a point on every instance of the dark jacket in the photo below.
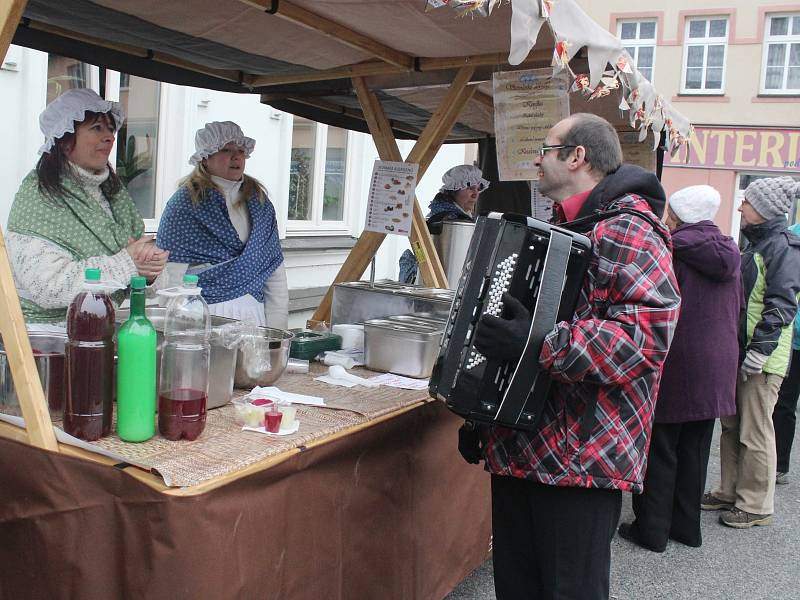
(699, 379)
(771, 279)
(607, 360)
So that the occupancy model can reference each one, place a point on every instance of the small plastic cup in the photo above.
(272, 420)
(289, 412)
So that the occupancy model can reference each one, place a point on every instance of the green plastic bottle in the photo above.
(136, 371)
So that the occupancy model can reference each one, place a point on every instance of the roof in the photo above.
(301, 54)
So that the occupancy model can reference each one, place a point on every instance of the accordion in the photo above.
(543, 267)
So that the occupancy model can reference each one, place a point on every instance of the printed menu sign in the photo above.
(541, 205)
(391, 197)
(526, 105)
(639, 153)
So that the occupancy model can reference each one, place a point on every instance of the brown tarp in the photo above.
(391, 511)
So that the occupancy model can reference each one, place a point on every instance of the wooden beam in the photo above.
(484, 99)
(424, 150)
(155, 56)
(300, 16)
(10, 14)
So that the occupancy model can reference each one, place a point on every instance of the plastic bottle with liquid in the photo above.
(183, 380)
(136, 371)
(90, 361)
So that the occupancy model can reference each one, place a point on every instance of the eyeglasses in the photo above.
(545, 148)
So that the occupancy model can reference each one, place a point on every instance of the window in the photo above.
(65, 74)
(639, 38)
(137, 141)
(317, 182)
(705, 42)
(781, 62)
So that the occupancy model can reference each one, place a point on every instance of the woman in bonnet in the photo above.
(221, 226)
(72, 212)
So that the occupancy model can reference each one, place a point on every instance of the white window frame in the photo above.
(705, 42)
(316, 225)
(783, 39)
(639, 42)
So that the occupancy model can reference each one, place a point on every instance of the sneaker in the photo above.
(781, 478)
(710, 502)
(743, 520)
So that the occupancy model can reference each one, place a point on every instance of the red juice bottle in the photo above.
(90, 361)
(183, 379)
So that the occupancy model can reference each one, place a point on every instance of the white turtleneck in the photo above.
(237, 207)
(90, 182)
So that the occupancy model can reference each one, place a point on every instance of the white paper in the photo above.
(334, 381)
(391, 197)
(526, 105)
(293, 429)
(398, 381)
(274, 392)
(541, 205)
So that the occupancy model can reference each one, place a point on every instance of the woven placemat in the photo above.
(224, 448)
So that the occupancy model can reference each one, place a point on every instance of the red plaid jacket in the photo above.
(608, 357)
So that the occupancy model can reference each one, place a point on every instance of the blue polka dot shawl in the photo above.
(204, 234)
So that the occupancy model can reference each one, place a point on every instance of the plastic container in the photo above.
(136, 371)
(90, 361)
(183, 378)
(307, 344)
(251, 411)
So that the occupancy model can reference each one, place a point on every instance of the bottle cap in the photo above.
(138, 282)
(93, 274)
(190, 279)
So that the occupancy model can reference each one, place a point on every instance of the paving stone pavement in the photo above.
(752, 564)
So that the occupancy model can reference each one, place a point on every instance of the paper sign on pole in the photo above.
(526, 105)
(391, 197)
(638, 153)
(541, 205)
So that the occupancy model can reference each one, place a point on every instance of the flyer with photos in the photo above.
(391, 197)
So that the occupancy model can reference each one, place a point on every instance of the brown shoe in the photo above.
(710, 502)
(741, 519)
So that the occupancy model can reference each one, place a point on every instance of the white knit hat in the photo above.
(695, 203)
(462, 177)
(213, 137)
(60, 116)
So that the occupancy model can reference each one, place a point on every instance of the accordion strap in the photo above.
(584, 224)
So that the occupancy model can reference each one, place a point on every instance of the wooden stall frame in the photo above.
(423, 152)
(12, 325)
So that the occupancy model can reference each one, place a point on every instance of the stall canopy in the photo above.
(301, 55)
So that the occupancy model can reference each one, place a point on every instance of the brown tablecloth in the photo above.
(390, 511)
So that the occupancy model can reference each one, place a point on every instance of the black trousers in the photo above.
(784, 417)
(677, 465)
(552, 543)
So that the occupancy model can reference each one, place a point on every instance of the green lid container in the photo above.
(307, 344)
(190, 279)
(138, 282)
(92, 274)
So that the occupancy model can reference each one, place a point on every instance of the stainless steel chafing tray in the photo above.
(359, 301)
(403, 348)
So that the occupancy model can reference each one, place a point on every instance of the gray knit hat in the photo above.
(772, 196)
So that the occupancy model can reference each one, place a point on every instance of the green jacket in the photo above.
(771, 279)
(74, 222)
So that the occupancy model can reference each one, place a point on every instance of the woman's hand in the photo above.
(149, 259)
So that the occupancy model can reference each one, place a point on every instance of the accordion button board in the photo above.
(542, 266)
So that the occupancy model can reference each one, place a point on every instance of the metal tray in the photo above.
(401, 348)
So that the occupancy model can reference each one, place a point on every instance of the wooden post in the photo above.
(428, 143)
(12, 325)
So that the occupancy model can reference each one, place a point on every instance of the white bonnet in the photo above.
(213, 137)
(60, 116)
(695, 203)
(462, 177)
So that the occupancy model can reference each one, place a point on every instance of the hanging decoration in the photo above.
(572, 30)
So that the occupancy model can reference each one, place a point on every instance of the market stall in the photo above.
(370, 499)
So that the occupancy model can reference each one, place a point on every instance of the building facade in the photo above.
(733, 68)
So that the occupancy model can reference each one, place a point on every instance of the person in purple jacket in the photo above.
(698, 383)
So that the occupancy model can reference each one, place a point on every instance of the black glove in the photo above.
(469, 443)
(504, 338)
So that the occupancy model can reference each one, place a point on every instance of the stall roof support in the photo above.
(12, 325)
(426, 147)
(291, 12)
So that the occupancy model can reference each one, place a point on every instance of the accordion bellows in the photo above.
(543, 267)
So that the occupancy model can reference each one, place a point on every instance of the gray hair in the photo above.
(598, 136)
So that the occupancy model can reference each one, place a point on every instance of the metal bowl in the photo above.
(262, 359)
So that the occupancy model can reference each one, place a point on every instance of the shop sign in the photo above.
(740, 149)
